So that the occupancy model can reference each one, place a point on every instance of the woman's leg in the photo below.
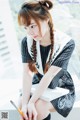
(44, 108)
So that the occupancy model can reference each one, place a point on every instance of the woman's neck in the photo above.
(46, 39)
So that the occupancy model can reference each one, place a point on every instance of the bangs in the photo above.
(31, 11)
(24, 18)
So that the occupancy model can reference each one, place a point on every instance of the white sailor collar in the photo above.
(60, 40)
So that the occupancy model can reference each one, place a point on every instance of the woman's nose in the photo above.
(31, 33)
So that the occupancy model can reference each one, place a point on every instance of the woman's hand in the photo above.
(24, 111)
(32, 113)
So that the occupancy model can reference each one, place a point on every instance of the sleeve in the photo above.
(24, 51)
(63, 58)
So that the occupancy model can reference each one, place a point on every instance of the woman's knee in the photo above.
(42, 108)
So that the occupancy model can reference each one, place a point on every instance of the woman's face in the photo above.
(34, 31)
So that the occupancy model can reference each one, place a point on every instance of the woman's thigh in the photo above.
(45, 105)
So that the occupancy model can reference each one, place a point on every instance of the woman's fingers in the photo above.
(30, 115)
(35, 115)
(35, 118)
(25, 117)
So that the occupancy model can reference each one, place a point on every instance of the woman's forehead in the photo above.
(23, 21)
(39, 21)
(32, 21)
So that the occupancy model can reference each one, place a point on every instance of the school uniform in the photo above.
(63, 48)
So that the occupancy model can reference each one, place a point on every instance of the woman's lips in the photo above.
(35, 36)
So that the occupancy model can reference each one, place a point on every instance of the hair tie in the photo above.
(44, 4)
(40, 3)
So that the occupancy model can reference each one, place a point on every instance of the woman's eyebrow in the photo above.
(32, 23)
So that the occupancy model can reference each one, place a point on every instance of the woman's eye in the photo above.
(33, 26)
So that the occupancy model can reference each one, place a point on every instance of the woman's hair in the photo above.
(38, 10)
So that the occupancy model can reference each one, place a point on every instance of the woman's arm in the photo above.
(27, 79)
(26, 84)
(45, 81)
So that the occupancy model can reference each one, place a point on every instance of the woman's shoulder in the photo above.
(70, 46)
(63, 38)
(24, 40)
(71, 42)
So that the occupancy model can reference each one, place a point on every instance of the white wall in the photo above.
(10, 35)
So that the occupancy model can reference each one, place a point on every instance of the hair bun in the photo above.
(47, 3)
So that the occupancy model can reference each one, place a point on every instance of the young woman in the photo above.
(46, 52)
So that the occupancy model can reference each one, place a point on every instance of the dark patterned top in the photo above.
(61, 60)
